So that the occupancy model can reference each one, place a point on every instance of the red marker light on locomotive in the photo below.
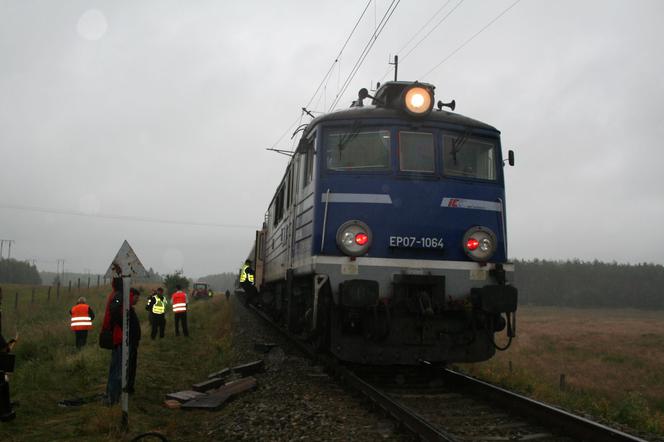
(361, 239)
(472, 244)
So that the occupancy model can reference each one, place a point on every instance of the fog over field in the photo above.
(149, 121)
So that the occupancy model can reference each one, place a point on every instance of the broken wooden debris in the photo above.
(208, 385)
(185, 395)
(249, 368)
(220, 374)
(264, 347)
(171, 403)
(216, 398)
(242, 370)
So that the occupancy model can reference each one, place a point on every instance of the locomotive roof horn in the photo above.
(451, 105)
(361, 95)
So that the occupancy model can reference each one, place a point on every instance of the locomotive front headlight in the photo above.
(479, 243)
(417, 100)
(354, 238)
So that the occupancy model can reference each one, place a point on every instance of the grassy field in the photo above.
(613, 362)
(49, 369)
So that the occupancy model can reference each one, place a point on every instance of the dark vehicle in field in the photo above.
(200, 291)
(386, 240)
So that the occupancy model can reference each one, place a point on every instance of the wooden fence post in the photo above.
(98, 278)
(70, 286)
(88, 282)
(78, 286)
(49, 294)
(57, 292)
(562, 382)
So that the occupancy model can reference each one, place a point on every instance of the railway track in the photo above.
(444, 405)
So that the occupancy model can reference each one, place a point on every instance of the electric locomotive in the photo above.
(385, 242)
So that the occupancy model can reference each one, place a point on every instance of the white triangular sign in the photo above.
(125, 263)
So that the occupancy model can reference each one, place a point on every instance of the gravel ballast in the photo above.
(294, 399)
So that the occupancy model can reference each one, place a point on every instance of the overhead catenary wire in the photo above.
(462, 45)
(289, 129)
(403, 57)
(325, 77)
(367, 48)
(341, 51)
(432, 29)
(122, 217)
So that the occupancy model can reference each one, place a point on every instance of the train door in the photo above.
(259, 258)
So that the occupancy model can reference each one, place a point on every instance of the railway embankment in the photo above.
(295, 400)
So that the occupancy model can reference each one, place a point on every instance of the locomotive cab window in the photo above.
(350, 151)
(416, 152)
(469, 157)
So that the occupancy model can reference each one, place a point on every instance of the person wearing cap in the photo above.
(81, 321)
(156, 307)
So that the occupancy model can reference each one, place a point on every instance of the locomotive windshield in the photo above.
(416, 152)
(469, 157)
(369, 150)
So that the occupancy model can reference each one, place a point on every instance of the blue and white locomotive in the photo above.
(385, 241)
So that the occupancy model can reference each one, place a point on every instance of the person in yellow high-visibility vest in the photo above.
(156, 306)
(247, 282)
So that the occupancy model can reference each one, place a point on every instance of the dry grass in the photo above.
(48, 369)
(612, 361)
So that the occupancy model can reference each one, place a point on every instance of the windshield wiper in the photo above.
(458, 143)
(347, 138)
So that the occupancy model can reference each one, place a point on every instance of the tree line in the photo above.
(18, 272)
(571, 283)
(578, 283)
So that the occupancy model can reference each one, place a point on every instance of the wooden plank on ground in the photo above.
(217, 398)
(220, 374)
(264, 347)
(210, 384)
(249, 368)
(185, 395)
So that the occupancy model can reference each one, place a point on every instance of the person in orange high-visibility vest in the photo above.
(179, 303)
(81, 321)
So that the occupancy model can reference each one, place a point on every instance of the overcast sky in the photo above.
(117, 114)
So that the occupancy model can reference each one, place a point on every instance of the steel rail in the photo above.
(547, 415)
(550, 417)
(401, 413)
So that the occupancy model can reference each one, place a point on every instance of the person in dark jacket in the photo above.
(134, 338)
(113, 321)
(7, 412)
(248, 283)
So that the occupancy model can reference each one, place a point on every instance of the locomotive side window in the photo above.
(357, 151)
(289, 193)
(416, 152)
(469, 157)
(279, 205)
(307, 162)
